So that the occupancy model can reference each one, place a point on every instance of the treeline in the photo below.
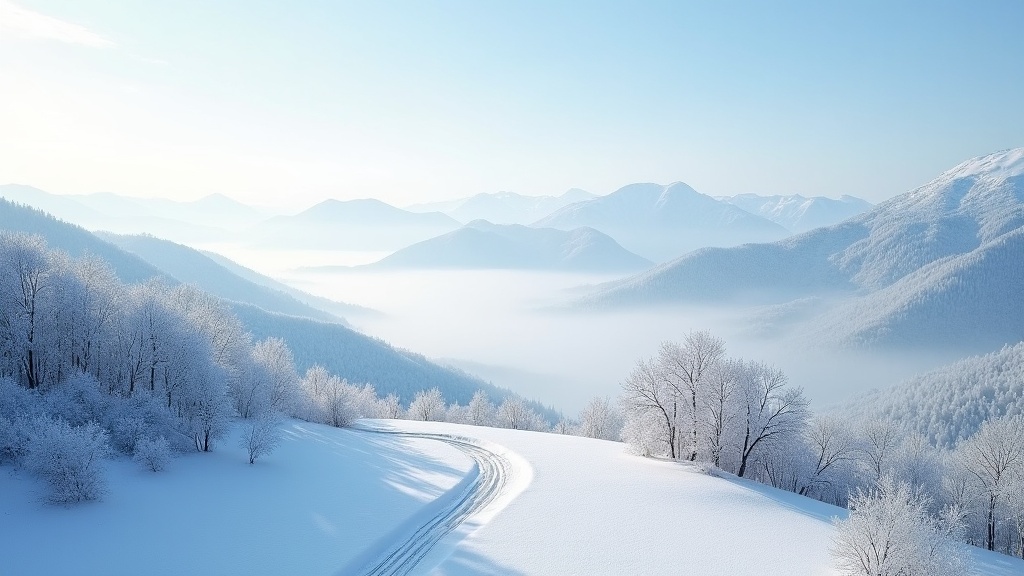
(693, 402)
(90, 367)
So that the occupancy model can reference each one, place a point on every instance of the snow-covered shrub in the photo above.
(389, 407)
(69, 458)
(17, 401)
(126, 432)
(643, 435)
(152, 454)
(77, 400)
(261, 436)
(427, 405)
(890, 533)
(481, 410)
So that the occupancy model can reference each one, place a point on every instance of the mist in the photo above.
(506, 327)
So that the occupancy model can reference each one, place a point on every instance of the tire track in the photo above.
(492, 475)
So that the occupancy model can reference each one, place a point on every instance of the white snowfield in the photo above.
(432, 498)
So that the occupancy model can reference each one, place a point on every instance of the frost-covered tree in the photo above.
(831, 451)
(879, 441)
(481, 410)
(993, 457)
(261, 436)
(389, 407)
(152, 454)
(514, 413)
(651, 405)
(890, 533)
(772, 412)
(427, 405)
(686, 367)
(68, 458)
(600, 419)
(268, 383)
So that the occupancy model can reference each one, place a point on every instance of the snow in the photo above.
(310, 507)
(1005, 164)
(327, 499)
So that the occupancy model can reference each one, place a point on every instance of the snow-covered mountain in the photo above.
(482, 245)
(664, 222)
(504, 207)
(937, 265)
(346, 352)
(194, 267)
(75, 241)
(950, 403)
(365, 224)
(798, 213)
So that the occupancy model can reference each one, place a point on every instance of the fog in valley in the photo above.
(517, 329)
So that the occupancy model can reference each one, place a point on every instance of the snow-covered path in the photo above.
(482, 485)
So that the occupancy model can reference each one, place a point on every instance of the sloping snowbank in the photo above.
(593, 509)
(308, 508)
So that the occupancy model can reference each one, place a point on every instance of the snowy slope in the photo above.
(664, 222)
(504, 207)
(365, 224)
(483, 245)
(328, 500)
(310, 507)
(75, 241)
(194, 267)
(798, 213)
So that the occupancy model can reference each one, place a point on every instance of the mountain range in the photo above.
(365, 224)
(939, 265)
(346, 352)
(798, 213)
(504, 207)
(483, 245)
(664, 222)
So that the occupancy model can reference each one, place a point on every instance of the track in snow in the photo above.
(492, 474)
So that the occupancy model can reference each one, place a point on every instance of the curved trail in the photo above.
(492, 472)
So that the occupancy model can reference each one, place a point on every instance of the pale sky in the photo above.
(293, 102)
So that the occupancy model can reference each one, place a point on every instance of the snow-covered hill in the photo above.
(366, 224)
(328, 499)
(798, 213)
(361, 359)
(664, 222)
(75, 241)
(937, 265)
(194, 267)
(504, 207)
(482, 245)
(949, 404)
(348, 353)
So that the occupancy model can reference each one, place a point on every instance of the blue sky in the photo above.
(278, 102)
